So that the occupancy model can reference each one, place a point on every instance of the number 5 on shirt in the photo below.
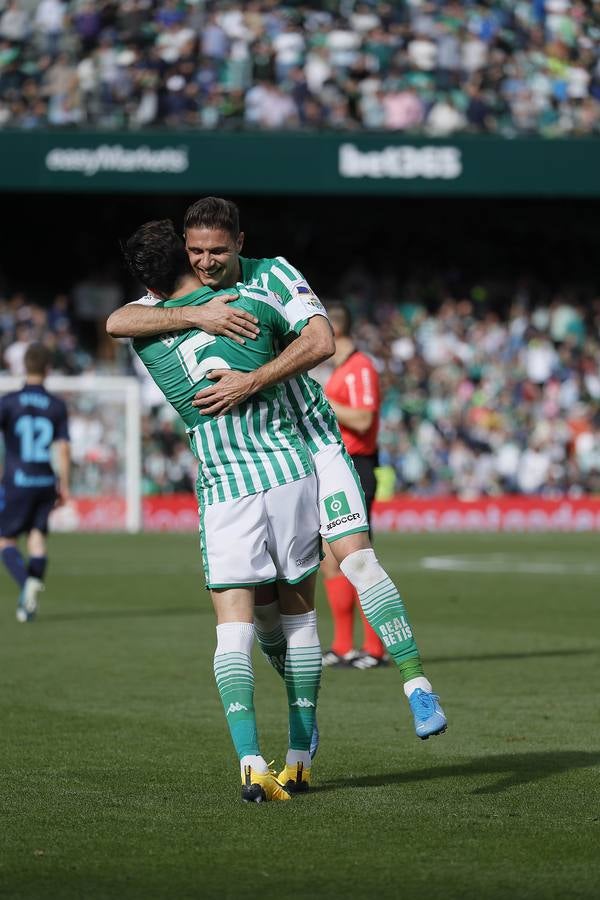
(197, 369)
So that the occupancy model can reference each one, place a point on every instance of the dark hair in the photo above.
(213, 212)
(156, 255)
(341, 316)
(37, 359)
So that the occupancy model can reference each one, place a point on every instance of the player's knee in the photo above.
(362, 569)
(266, 616)
(342, 548)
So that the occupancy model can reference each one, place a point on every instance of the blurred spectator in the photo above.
(444, 118)
(14, 22)
(14, 355)
(94, 299)
(49, 23)
(478, 398)
(475, 404)
(502, 67)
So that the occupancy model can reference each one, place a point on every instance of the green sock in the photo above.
(384, 610)
(411, 668)
(303, 663)
(235, 681)
(273, 645)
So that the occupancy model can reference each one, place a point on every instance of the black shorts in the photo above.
(365, 467)
(23, 509)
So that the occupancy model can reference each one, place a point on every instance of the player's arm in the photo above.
(63, 464)
(300, 312)
(139, 319)
(363, 395)
(314, 345)
(353, 417)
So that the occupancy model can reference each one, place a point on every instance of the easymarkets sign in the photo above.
(289, 163)
(116, 158)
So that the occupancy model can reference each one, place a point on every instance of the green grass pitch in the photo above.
(118, 779)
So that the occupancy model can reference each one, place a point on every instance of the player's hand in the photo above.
(231, 389)
(63, 497)
(216, 317)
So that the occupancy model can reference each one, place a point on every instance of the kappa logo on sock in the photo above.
(336, 505)
(236, 707)
(303, 703)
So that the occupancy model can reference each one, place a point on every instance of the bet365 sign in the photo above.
(405, 161)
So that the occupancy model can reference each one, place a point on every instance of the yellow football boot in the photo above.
(258, 787)
(295, 778)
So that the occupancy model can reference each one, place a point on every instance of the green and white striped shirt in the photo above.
(254, 447)
(304, 397)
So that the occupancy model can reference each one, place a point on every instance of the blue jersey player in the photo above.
(31, 421)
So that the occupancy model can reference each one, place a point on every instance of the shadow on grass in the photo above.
(526, 654)
(512, 769)
(48, 617)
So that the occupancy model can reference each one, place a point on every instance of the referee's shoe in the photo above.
(368, 661)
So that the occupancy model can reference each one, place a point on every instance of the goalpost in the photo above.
(104, 422)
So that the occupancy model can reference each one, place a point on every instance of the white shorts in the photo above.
(342, 507)
(266, 537)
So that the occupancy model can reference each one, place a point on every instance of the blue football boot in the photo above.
(314, 740)
(429, 715)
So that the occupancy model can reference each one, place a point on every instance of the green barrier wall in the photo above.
(297, 163)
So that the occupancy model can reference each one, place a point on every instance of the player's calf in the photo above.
(385, 612)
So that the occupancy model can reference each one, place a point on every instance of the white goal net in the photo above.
(104, 424)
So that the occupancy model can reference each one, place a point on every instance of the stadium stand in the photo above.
(475, 402)
(418, 66)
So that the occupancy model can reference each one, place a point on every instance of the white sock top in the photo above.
(296, 756)
(235, 637)
(419, 682)
(301, 631)
(257, 762)
(363, 570)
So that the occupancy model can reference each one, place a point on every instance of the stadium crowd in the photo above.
(475, 402)
(417, 66)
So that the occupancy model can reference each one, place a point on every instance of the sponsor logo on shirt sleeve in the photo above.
(304, 293)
